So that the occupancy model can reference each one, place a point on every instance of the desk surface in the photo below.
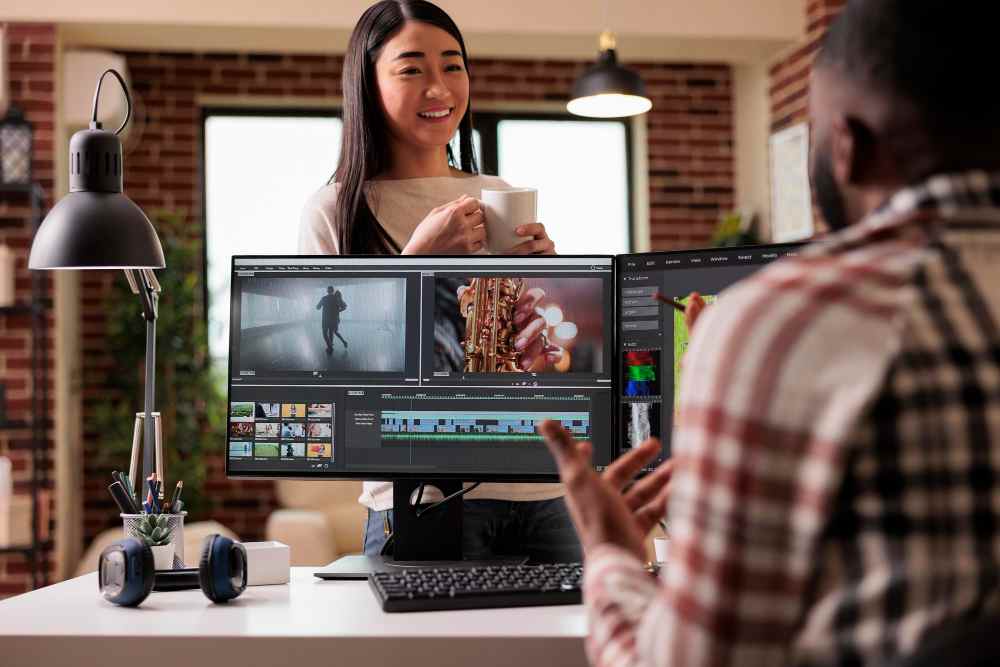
(332, 622)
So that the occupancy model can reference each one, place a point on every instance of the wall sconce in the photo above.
(15, 148)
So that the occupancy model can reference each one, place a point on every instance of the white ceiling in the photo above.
(722, 30)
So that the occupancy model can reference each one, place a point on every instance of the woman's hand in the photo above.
(539, 242)
(454, 228)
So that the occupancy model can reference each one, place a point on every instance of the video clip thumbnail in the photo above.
(510, 324)
(323, 324)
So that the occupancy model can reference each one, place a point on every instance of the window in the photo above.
(261, 165)
(580, 168)
(260, 168)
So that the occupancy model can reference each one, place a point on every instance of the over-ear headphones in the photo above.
(126, 575)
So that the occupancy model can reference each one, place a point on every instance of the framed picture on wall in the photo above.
(791, 197)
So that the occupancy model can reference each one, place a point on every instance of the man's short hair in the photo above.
(939, 56)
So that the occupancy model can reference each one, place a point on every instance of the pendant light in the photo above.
(608, 90)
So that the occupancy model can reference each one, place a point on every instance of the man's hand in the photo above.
(600, 511)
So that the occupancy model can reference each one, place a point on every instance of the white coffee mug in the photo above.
(505, 210)
(660, 547)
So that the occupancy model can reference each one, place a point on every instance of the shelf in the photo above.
(16, 550)
(26, 549)
(18, 189)
(20, 424)
(26, 308)
(14, 425)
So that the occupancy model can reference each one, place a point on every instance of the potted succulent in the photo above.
(155, 531)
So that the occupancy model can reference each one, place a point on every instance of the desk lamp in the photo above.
(96, 226)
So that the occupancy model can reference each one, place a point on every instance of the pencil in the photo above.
(670, 302)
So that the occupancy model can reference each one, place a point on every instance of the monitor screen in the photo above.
(418, 367)
(652, 336)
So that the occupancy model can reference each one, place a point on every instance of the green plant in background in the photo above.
(736, 229)
(187, 396)
(154, 529)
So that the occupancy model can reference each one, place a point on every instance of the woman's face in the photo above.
(423, 86)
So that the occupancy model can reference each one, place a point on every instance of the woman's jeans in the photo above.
(538, 529)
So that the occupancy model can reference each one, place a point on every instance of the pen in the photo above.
(670, 302)
(121, 498)
(177, 494)
(151, 494)
(127, 483)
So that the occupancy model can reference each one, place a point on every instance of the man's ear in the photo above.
(853, 151)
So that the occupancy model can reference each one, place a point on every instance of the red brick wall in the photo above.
(690, 174)
(31, 58)
(789, 89)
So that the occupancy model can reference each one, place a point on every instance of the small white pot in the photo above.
(163, 557)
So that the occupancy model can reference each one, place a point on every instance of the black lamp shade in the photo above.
(96, 226)
(608, 90)
(96, 230)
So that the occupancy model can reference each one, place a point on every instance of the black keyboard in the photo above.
(478, 588)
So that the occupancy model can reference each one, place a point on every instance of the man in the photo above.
(332, 306)
(836, 495)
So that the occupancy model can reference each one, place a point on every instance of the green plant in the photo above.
(187, 396)
(736, 229)
(154, 529)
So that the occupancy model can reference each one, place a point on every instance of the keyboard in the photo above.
(478, 588)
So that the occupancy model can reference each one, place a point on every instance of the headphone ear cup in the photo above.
(222, 570)
(205, 579)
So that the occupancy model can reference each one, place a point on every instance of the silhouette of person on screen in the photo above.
(332, 306)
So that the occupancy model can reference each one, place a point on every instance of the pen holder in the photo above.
(130, 524)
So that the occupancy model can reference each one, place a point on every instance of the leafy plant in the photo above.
(187, 396)
(736, 229)
(154, 529)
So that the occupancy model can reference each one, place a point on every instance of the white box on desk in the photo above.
(268, 563)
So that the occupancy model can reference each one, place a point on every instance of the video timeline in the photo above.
(477, 426)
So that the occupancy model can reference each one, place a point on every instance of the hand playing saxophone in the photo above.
(537, 354)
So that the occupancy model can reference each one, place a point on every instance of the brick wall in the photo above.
(789, 89)
(31, 58)
(690, 180)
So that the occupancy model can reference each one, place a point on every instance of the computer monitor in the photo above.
(410, 369)
(393, 367)
(652, 336)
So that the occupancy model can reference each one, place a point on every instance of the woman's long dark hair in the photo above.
(364, 148)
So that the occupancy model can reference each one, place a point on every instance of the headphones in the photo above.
(126, 575)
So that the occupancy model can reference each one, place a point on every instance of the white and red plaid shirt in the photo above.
(839, 428)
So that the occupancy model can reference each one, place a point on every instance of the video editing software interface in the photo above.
(652, 336)
(393, 367)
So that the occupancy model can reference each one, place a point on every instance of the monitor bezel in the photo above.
(388, 477)
(619, 436)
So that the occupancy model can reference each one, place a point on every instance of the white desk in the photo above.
(308, 623)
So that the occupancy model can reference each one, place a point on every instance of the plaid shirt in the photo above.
(839, 426)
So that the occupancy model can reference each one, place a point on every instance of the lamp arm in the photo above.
(94, 124)
(143, 282)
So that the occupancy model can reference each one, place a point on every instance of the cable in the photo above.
(457, 494)
(97, 96)
(389, 540)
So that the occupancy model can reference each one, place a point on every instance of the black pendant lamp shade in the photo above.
(95, 226)
(608, 90)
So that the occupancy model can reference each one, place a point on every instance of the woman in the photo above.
(397, 190)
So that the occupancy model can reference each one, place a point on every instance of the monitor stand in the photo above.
(424, 540)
